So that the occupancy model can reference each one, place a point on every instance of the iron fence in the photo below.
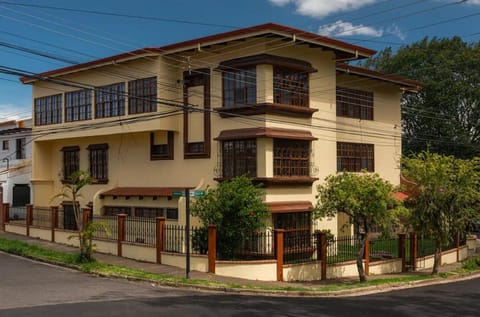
(18, 215)
(106, 227)
(342, 249)
(383, 249)
(299, 246)
(175, 239)
(140, 230)
(426, 246)
(42, 217)
(255, 246)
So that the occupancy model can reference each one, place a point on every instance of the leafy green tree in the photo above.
(365, 198)
(443, 195)
(236, 207)
(71, 191)
(444, 116)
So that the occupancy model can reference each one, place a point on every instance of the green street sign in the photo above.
(193, 193)
(197, 193)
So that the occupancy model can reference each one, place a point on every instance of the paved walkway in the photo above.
(177, 272)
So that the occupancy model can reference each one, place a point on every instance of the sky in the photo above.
(42, 35)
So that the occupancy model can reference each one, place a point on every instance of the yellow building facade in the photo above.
(272, 102)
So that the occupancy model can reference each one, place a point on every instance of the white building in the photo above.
(15, 162)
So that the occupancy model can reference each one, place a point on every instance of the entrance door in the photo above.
(21, 195)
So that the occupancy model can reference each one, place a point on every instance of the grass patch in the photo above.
(96, 267)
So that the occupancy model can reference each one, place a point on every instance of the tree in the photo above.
(237, 208)
(443, 195)
(445, 115)
(71, 191)
(365, 198)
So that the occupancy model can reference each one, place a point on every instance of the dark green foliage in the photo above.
(445, 116)
(443, 196)
(236, 207)
(200, 240)
(365, 198)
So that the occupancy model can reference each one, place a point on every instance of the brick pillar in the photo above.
(160, 237)
(121, 232)
(401, 250)
(413, 250)
(279, 252)
(29, 220)
(86, 217)
(5, 214)
(212, 247)
(54, 221)
(366, 256)
(457, 245)
(322, 253)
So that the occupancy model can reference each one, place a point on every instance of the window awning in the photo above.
(289, 206)
(279, 133)
(141, 191)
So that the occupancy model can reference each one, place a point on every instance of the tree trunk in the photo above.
(436, 258)
(361, 270)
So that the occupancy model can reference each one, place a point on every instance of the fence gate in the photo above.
(69, 222)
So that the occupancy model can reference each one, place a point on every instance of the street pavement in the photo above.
(29, 288)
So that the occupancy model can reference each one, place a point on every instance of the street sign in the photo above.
(193, 193)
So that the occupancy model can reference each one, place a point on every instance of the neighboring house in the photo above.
(15, 162)
(272, 102)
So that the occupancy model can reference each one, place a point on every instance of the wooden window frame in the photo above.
(78, 105)
(354, 103)
(98, 162)
(48, 110)
(142, 95)
(110, 210)
(291, 158)
(355, 157)
(235, 81)
(110, 101)
(243, 157)
(162, 151)
(290, 87)
(201, 149)
(71, 161)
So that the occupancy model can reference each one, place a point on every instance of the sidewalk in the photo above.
(177, 272)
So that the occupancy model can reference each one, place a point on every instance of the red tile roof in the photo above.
(346, 49)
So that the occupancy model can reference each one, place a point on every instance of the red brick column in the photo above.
(212, 247)
(86, 217)
(5, 214)
(121, 232)
(366, 256)
(413, 251)
(322, 253)
(29, 220)
(402, 251)
(279, 252)
(54, 221)
(160, 237)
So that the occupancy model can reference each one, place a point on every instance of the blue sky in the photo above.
(56, 28)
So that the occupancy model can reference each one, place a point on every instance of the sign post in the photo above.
(187, 232)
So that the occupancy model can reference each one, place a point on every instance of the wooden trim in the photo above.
(197, 77)
(289, 206)
(170, 147)
(267, 108)
(279, 181)
(249, 133)
(253, 60)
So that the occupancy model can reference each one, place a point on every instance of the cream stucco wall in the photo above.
(128, 136)
(254, 270)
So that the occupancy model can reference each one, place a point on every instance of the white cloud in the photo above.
(322, 8)
(395, 30)
(341, 28)
(13, 112)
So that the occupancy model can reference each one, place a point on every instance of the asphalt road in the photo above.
(32, 289)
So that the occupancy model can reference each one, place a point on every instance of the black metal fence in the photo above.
(383, 249)
(18, 215)
(140, 230)
(42, 217)
(254, 246)
(106, 227)
(342, 249)
(299, 247)
(175, 239)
